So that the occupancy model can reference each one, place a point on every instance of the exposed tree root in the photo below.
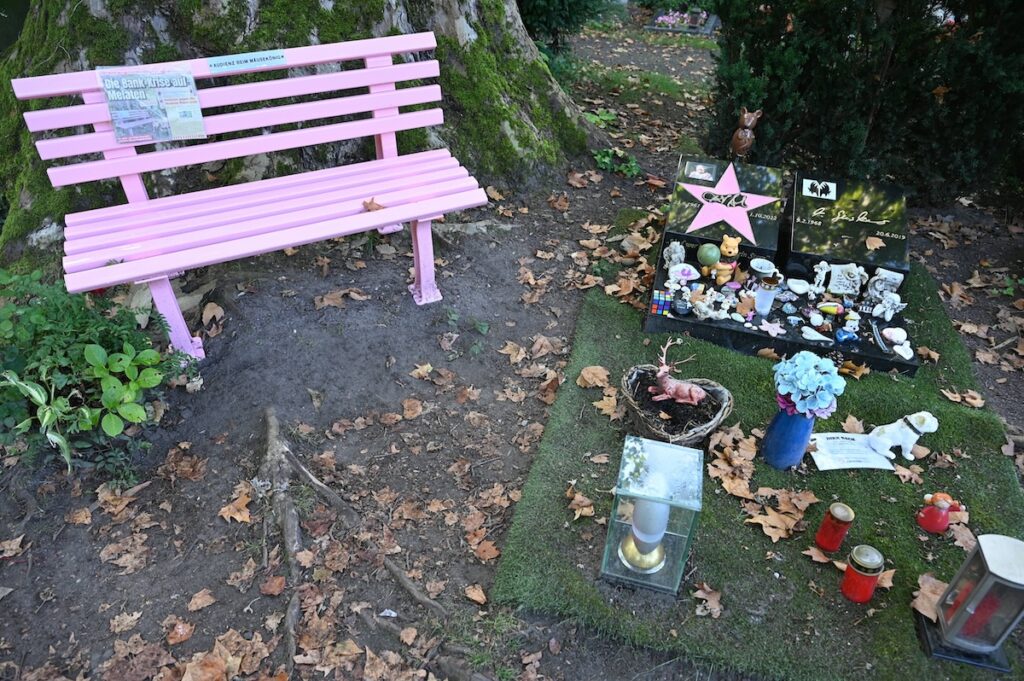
(348, 514)
(277, 469)
(414, 591)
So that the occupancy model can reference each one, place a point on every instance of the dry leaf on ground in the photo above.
(853, 425)
(927, 597)
(201, 600)
(712, 601)
(593, 377)
(817, 555)
(911, 474)
(475, 593)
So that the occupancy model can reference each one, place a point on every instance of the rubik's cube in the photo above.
(661, 302)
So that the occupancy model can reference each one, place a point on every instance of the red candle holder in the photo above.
(862, 572)
(834, 527)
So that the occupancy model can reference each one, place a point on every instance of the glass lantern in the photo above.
(983, 604)
(654, 517)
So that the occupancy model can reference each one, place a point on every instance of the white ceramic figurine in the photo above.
(902, 434)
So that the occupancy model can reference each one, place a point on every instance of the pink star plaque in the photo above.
(726, 203)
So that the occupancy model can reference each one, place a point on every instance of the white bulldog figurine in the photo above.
(902, 434)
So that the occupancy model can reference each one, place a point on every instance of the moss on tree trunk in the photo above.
(506, 118)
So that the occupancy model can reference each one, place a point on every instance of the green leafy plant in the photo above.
(602, 118)
(71, 365)
(615, 160)
(1011, 284)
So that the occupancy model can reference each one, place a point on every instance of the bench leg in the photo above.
(424, 289)
(167, 304)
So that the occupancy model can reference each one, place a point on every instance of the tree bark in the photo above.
(506, 118)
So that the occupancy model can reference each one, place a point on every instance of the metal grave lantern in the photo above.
(654, 517)
(981, 606)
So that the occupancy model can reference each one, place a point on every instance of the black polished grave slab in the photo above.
(846, 221)
(708, 172)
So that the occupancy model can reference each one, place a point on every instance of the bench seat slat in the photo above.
(95, 142)
(203, 256)
(160, 212)
(110, 246)
(247, 146)
(252, 224)
(246, 93)
(60, 84)
(296, 180)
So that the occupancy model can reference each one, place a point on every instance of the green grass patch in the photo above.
(775, 625)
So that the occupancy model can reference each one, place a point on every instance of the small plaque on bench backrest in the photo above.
(239, 63)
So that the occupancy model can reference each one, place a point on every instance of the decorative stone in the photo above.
(903, 350)
(794, 321)
(894, 335)
(737, 317)
(810, 334)
(798, 286)
(786, 297)
(682, 307)
(789, 308)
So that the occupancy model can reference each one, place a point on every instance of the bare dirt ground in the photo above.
(424, 420)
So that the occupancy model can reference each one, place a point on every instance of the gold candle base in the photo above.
(644, 563)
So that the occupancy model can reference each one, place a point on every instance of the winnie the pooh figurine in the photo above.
(726, 266)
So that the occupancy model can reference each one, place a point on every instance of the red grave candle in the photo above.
(834, 527)
(862, 572)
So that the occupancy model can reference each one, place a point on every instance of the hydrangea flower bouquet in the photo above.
(807, 387)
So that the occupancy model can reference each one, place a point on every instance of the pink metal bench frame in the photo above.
(147, 241)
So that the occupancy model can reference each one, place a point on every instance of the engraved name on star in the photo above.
(726, 203)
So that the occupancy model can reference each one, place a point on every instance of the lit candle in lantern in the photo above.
(641, 549)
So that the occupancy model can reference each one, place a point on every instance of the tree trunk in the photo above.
(506, 119)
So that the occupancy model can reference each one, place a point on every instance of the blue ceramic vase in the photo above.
(786, 439)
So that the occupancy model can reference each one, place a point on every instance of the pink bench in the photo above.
(149, 240)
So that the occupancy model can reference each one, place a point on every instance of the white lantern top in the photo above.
(661, 472)
(1004, 557)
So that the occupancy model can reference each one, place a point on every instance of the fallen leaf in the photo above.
(927, 354)
(79, 516)
(516, 353)
(582, 506)
(963, 537)
(494, 194)
(712, 601)
(475, 593)
(873, 243)
(854, 370)
(885, 579)
(926, 599)
(769, 353)
(273, 586)
(486, 550)
(124, 622)
(411, 408)
(200, 600)
(237, 510)
(407, 635)
(177, 630)
(422, 371)
(212, 312)
(372, 205)
(593, 377)
(909, 474)
(974, 399)
(853, 425)
(559, 202)
(817, 555)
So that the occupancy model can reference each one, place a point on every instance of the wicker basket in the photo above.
(652, 427)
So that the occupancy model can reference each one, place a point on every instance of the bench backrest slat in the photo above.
(61, 84)
(245, 93)
(62, 147)
(127, 161)
(245, 146)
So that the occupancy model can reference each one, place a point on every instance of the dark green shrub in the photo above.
(552, 21)
(70, 365)
(879, 88)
